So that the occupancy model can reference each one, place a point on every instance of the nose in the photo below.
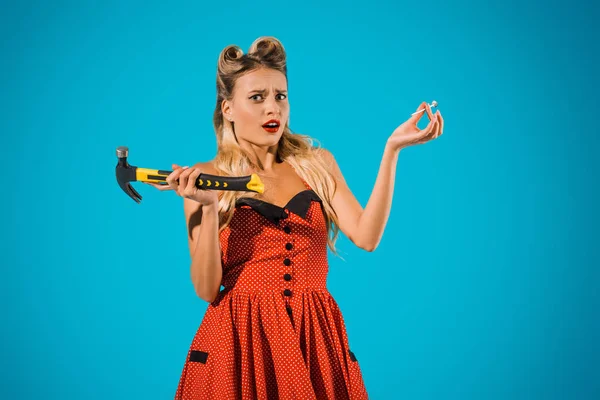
(271, 107)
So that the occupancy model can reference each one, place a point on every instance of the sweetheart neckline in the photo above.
(275, 205)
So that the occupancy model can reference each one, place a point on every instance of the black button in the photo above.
(287, 261)
(287, 229)
(352, 356)
(287, 277)
(288, 246)
(287, 292)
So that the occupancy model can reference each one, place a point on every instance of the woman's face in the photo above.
(259, 97)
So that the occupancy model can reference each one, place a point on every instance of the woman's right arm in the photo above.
(202, 221)
(205, 249)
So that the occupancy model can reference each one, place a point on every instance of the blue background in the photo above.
(485, 285)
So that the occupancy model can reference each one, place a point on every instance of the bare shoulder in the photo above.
(323, 153)
(329, 160)
(207, 167)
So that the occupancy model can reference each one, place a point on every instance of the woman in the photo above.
(274, 331)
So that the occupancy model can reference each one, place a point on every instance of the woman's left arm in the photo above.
(365, 227)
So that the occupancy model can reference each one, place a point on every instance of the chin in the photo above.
(271, 140)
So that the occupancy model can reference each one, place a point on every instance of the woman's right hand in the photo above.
(186, 187)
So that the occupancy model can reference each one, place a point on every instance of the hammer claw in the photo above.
(133, 193)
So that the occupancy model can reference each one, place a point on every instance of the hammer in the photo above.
(128, 173)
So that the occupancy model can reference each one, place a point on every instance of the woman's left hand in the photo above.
(409, 134)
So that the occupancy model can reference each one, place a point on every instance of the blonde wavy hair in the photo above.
(297, 149)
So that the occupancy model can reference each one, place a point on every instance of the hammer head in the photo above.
(126, 173)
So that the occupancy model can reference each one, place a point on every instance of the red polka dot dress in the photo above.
(274, 331)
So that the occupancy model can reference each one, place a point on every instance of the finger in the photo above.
(173, 176)
(425, 132)
(436, 130)
(161, 187)
(193, 178)
(186, 176)
(428, 134)
(427, 107)
(183, 179)
(429, 113)
(419, 113)
(439, 114)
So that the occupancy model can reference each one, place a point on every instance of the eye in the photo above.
(283, 96)
(253, 97)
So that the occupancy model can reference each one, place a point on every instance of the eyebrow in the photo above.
(264, 90)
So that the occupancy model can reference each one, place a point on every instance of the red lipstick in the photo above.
(271, 126)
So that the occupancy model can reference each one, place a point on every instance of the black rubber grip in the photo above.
(214, 182)
(218, 182)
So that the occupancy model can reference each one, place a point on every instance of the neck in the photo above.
(264, 159)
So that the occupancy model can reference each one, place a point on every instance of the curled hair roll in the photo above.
(269, 50)
(229, 58)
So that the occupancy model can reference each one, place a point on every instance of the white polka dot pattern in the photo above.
(275, 331)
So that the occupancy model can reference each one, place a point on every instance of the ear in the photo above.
(226, 110)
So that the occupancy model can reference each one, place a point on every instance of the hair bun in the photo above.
(269, 49)
(229, 56)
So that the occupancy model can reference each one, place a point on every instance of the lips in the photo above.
(271, 126)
